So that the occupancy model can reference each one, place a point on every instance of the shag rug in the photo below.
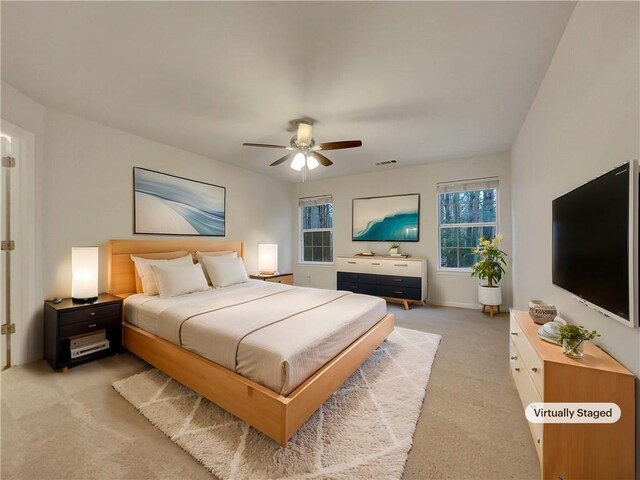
(363, 431)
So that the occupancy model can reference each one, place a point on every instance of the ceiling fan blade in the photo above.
(340, 145)
(322, 160)
(264, 145)
(283, 159)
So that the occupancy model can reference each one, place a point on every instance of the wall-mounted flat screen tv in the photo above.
(394, 218)
(595, 243)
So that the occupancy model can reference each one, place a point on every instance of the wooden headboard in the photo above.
(121, 274)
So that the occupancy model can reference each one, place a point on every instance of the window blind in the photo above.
(468, 185)
(311, 201)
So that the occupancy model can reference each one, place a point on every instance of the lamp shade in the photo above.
(268, 258)
(84, 274)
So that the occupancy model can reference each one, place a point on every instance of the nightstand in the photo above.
(82, 327)
(286, 278)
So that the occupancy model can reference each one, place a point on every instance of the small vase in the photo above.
(573, 348)
(393, 251)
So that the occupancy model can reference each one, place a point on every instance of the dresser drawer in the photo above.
(355, 287)
(86, 314)
(398, 281)
(528, 394)
(79, 328)
(398, 292)
(530, 360)
(351, 277)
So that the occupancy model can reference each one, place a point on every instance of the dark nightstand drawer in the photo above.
(80, 328)
(398, 292)
(87, 314)
(399, 281)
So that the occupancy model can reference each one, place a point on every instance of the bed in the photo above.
(271, 370)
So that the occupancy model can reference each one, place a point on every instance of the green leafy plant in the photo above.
(576, 333)
(395, 245)
(491, 261)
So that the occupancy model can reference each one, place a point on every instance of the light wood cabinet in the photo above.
(541, 373)
(286, 278)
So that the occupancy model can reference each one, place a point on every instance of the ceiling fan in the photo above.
(305, 151)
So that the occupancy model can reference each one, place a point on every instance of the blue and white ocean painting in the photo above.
(391, 219)
(170, 205)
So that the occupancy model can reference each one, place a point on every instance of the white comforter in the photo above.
(274, 334)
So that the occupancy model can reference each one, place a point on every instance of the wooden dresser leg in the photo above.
(406, 304)
(491, 310)
(498, 307)
(484, 308)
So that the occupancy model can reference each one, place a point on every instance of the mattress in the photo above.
(276, 335)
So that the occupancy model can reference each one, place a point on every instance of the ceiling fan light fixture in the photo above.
(311, 162)
(298, 161)
(304, 133)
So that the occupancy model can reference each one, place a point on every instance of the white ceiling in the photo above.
(416, 82)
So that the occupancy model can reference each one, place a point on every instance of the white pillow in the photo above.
(201, 255)
(179, 279)
(225, 270)
(143, 266)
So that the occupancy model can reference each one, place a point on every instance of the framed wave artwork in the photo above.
(395, 218)
(170, 205)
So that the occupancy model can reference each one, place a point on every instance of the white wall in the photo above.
(583, 122)
(455, 289)
(86, 196)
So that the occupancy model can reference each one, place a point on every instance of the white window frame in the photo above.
(465, 186)
(305, 202)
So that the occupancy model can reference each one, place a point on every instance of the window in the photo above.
(316, 229)
(466, 211)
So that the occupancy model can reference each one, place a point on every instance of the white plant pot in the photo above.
(489, 295)
(393, 251)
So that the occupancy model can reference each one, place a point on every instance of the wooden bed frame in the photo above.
(274, 415)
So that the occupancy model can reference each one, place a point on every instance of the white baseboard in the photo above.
(470, 306)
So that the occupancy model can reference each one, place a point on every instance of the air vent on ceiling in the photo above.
(387, 162)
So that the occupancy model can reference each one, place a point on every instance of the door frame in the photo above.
(26, 344)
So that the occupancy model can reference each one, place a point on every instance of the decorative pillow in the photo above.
(175, 279)
(147, 279)
(201, 255)
(225, 270)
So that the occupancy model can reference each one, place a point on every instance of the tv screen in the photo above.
(591, 246)
(394, 218)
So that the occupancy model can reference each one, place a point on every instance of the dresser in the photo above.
(541, 373)
(396, 279)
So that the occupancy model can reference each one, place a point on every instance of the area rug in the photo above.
(363, 431)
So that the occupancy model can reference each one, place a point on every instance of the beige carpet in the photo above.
(75, 426)
(364, 431)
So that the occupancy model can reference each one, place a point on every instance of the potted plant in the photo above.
(573, 337)
(394, 249)
(490, 268)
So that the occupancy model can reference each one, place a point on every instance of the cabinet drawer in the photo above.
(528, 394)
(398, 292)
(86, 314)
(351, 277)
(530, 360)
(398, 281)
(357, 287)
(286, 279)
(79, 328)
